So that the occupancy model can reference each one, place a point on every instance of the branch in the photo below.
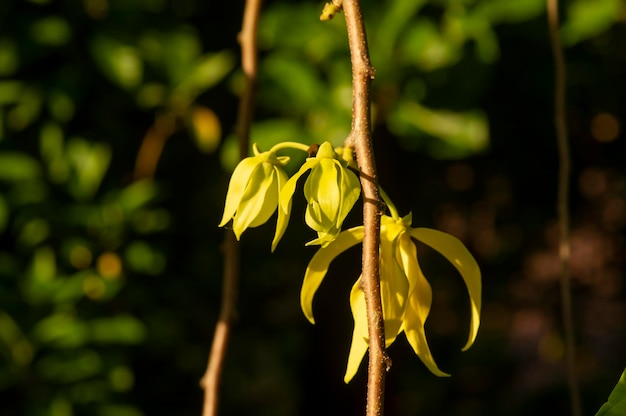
(562, 203)
(360, 138)
(211, 379)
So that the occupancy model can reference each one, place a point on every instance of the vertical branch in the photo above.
(562, 203)
(211, 379)
(361, 139)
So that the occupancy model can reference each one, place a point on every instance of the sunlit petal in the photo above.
(318, 266)
(456, 253)
(351, 188)
(283, 215)
(359, 344)
(418, 304)
(394, 288)
(254, 208)
(286, 193)
(329, 194)
(237, 186)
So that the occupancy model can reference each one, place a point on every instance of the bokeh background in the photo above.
(116, 144)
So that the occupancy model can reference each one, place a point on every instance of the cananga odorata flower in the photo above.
(331, 190)
(406, 294)
(253, 191)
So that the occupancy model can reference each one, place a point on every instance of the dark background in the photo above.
(110, 275)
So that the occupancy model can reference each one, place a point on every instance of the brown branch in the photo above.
(562, 203)
(152, 145)
(361, 139)
(211, 379)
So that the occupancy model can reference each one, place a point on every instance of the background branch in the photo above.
(360, 138)
(562, 203)
(211, 380)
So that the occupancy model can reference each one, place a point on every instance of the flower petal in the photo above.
(318, 266)
(418, 304)
(351, 190)
(286, 193)
(394, 288)
(323, 195)
(283, 215)
(237, 186)
(359, 343)
(259, 200)
(456, 253)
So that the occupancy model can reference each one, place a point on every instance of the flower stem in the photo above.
(390, 205)
(290, 145)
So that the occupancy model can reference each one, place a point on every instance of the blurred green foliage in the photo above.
(110, 280)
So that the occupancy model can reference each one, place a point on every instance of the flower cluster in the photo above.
(406, 294)
(259, 185)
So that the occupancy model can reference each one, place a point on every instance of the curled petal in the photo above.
(418, 304)
(456, 253)
(318, 266)
(286, 193)
(359, 344)
(237, 186)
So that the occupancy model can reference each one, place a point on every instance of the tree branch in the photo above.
(211, 379)
(361, 139)
(562, 203)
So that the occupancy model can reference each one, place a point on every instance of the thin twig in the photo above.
(562, 203)
(211, 379)
(361, 138)
(151, 148)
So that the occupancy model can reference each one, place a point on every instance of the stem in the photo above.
(360, 137)
(151, 148)
(562, 203)
(290, 145)
(211, 379)
(390, 205)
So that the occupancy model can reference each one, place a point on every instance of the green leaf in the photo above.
(122, 329)
(9, 58)
(456, 134)
(589, 18)
(61, 330)
(67, 368)
(13, 343)
(142, 258)
(425, 47)
(51, 31)
(207, 71)
(176, 52)
(90, 162)
(118, 61)
(289, 83)
(508, 11)
(616, 404)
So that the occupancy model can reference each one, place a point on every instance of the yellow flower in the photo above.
(253, 191)
(406, 294)
(331, 190)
